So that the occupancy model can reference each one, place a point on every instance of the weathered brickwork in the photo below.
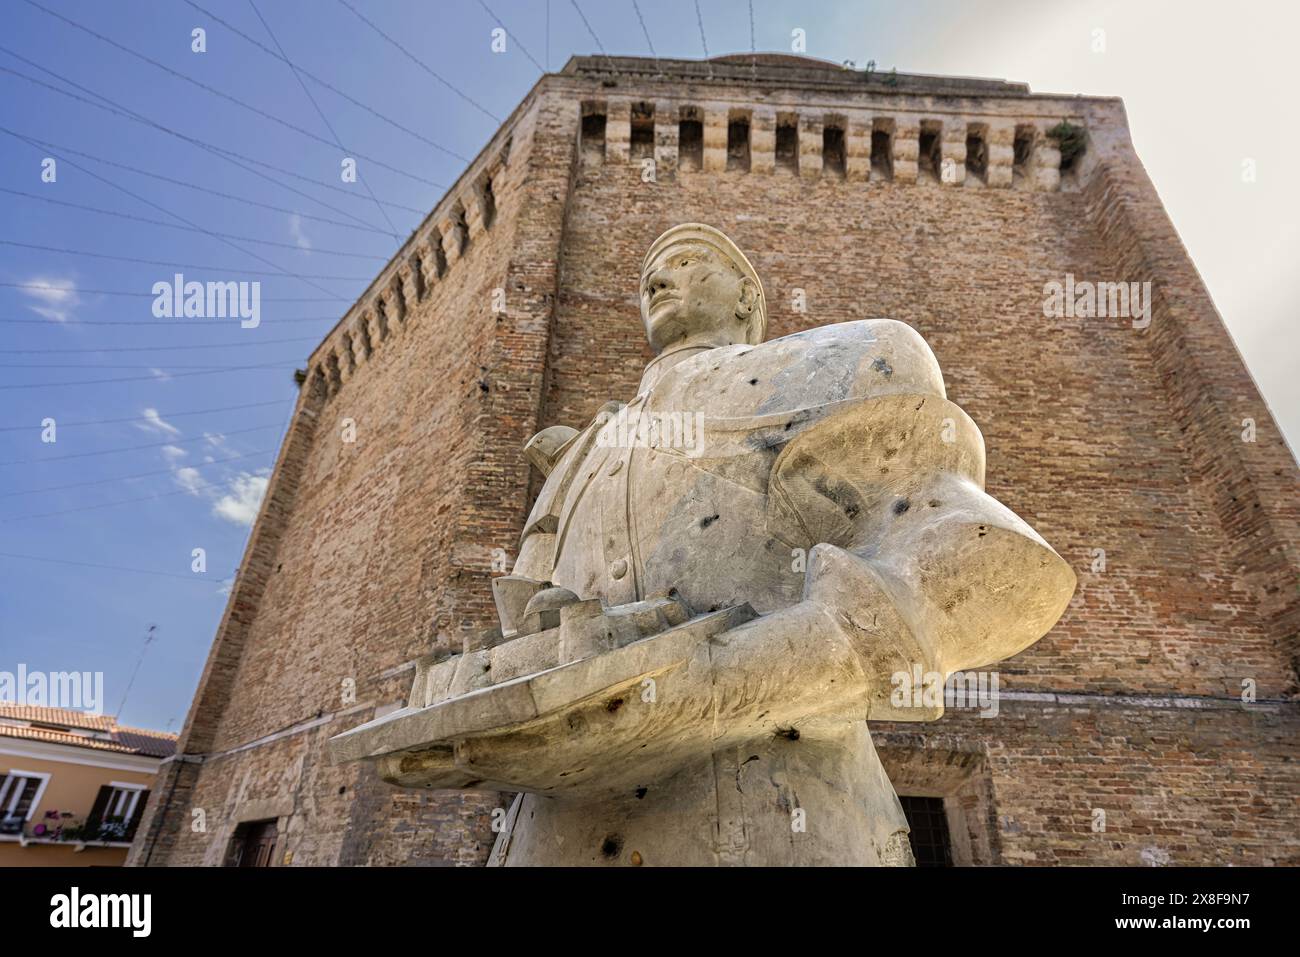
(948, 204)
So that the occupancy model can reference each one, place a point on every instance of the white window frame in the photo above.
(134, 790)
(12, 794)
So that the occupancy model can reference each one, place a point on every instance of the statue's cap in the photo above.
(721, 242)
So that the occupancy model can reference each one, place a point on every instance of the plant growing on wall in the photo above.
(1070, 140)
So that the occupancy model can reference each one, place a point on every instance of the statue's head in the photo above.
(697, 287)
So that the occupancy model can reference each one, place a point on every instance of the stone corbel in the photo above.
(362, 340)
(1044, 167)
(907, 147)
(715, 140)
(472, 200)
(450, 247)
(1002, 154)
(810, 146)
(666, 133)
(952, 153)
(857, 149)
(618, 132)
(762, 140)
(406, 280)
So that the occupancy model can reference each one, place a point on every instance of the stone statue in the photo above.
(719, 584)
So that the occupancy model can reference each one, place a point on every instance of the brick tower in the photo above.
(1154, 724)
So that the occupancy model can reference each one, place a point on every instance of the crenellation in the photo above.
(416, 263)
(592, 128)
(486, 197)
(690, 138)
(349, 354)
(786, 143)
(834, 146)
(739, 124)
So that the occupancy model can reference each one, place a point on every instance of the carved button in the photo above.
(615, 468)
(618, 568)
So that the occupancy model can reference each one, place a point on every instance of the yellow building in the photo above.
(72, 786)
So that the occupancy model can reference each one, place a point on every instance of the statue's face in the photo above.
(690, 291)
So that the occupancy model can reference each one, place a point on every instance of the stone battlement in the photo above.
(758, 114)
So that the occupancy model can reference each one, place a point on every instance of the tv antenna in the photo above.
(149, 636)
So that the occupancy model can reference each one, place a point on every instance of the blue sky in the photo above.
(165, 436)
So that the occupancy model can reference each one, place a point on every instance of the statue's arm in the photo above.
(909, 563)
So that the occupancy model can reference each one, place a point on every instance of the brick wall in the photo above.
(1102, 436)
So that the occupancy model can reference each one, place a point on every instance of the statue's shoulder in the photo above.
(878, 356)
(845, 360)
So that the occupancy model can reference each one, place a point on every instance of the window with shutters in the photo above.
(116, 812)
(20, 793)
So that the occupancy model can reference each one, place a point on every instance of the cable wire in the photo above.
(333, 89)
(138, 448)
(510, 33)
(221, 195)
(141, 378)
(192, 578)
(175, 265)
(600, 46)
(225, 96)
(200, 345)
(138, 475)
(162, 415)
(230, 156)
(164, 209)
(418, 62)
(159, 222)
(365, 181)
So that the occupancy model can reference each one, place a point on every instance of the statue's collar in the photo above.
(660, 365)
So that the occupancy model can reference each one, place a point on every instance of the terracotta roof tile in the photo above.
(154, 744)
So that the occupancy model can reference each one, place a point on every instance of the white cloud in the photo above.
(295, 230)
(56, 297)
(189, 479)
(217, 441)
(160, 374)
(241, 505)
(153, 422)
(171, 453)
